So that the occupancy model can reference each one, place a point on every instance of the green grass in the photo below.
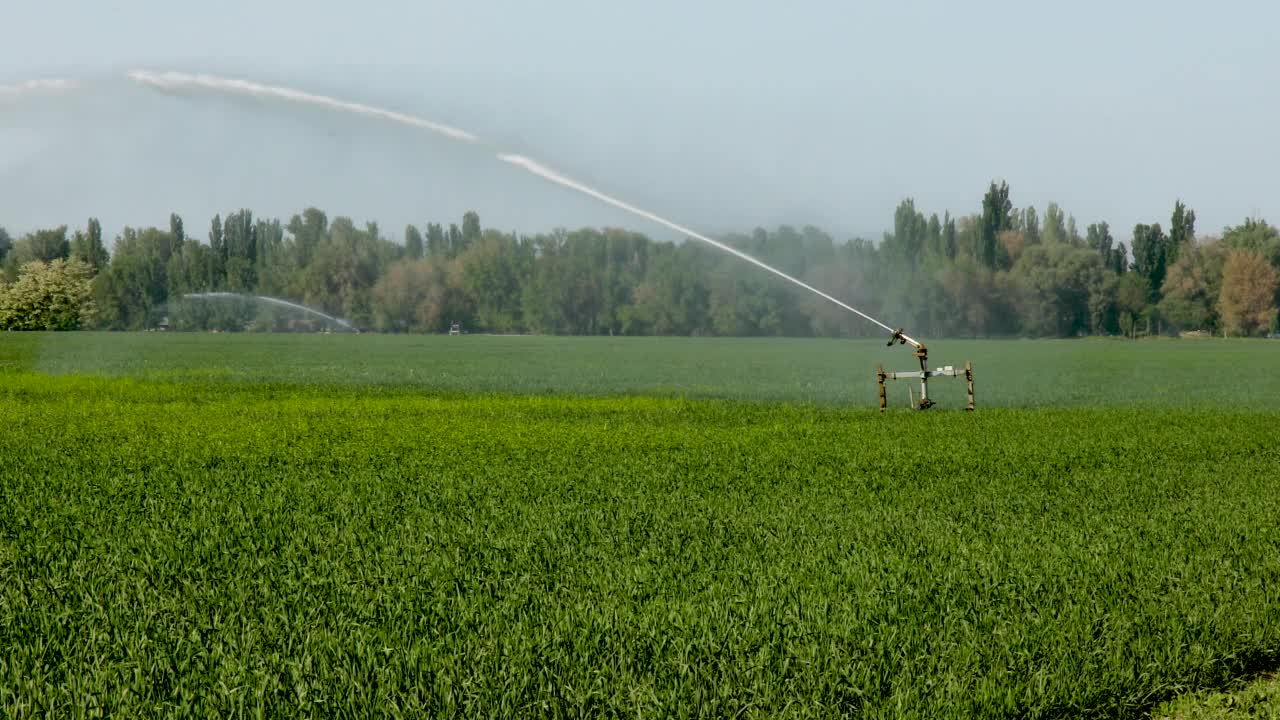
(1259, 700)
(1237, 374)
(216, 526)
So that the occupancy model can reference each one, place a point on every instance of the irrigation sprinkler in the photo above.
(923, 374)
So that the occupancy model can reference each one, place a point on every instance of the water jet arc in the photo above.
(178, 80)
(273, 301)
(546, 173)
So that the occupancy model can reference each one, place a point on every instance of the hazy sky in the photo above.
(720, 114)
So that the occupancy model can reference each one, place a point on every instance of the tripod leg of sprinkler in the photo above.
(880, 380)
(923, 354)
(968, 377)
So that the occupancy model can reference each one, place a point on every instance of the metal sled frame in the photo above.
(923, 374)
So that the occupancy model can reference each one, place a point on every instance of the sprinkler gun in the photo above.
(921, 351)
(902, 339)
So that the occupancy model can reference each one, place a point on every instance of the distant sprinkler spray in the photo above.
(35, 87)
(271, 301)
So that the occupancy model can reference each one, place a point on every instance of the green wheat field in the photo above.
(354, 526)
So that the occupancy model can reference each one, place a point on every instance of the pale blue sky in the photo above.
(721, 115)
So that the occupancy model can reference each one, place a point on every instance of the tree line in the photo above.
(998, 271)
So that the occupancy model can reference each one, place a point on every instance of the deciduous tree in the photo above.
(1133, 295)
(1055, 225)
(6, 243)
(89, 248)
(1182, 231)
(39, 246)
(54, 295)
(1191, 291)
(1150, 255)
(1248, 300)
(413, 246)
(996, 217)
